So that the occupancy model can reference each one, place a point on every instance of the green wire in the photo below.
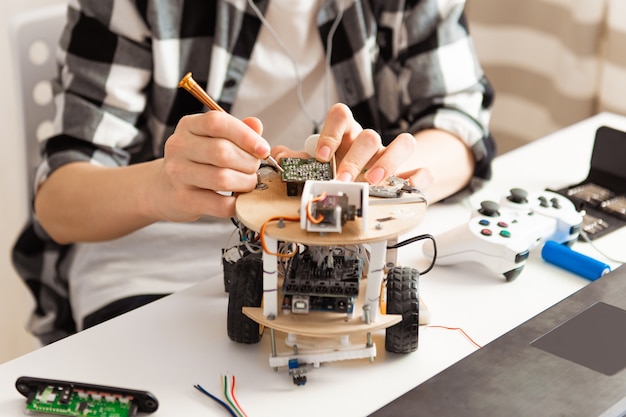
(229, 399)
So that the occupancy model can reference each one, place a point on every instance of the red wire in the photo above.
(457, 329)
(232, 394)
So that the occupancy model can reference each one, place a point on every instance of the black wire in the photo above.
(417, 239)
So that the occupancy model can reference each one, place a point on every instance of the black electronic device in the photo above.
(602, 195)
(69, 398)
(566, 361)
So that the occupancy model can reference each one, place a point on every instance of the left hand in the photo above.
(360, 153)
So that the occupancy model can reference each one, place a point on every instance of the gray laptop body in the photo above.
(569, 360)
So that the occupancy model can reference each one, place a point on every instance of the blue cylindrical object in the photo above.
(576, 262)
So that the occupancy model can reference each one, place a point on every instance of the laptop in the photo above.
(569, 360)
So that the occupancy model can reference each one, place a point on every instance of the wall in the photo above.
(552, 62)
(15, 301)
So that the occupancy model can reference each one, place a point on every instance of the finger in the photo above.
(254, 123)
(187, 148)
(216, 124)
(366, 146)
(338, 131)
(206, 202)
(400, 149)
(210, 177)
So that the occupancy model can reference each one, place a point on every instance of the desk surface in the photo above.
(170, 345)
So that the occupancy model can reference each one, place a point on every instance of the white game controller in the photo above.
(549, 216)
(501, 236)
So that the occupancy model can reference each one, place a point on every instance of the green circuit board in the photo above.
(65, 401)
(302, 169)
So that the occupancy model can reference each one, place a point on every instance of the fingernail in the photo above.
(324, 153)
(345, 176)
(375, 175)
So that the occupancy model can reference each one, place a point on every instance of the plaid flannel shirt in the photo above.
(399, 65)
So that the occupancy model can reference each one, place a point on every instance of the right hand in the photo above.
(208, 153)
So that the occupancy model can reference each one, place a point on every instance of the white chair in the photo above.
(34, 38)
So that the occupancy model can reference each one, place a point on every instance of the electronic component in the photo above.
(296, 171)
(326, 206)
(321, 279)
(590, 193)
(297, 372)
(615, 206)
(65, 398)
(593, 225)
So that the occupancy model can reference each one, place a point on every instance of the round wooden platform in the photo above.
(385, 221)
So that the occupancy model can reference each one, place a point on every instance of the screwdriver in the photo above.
(189, 84)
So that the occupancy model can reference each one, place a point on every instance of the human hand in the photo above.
(209, 157)
(360, 153)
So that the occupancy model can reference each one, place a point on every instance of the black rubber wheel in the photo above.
(246, 290)
(402, 298)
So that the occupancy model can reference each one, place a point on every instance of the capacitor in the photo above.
(565, 257)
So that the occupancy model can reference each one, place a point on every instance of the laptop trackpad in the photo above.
(595, 338)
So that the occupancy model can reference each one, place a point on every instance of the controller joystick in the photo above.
(518, 196)
(489, 208)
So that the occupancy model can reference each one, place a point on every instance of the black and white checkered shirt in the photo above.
(399, 65)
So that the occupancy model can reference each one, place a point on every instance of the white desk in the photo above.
(172, 344)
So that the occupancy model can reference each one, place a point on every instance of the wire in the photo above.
(232, 393)
(299, 94)
(262, 234)
(228, 398)
(587, 239)
(217, 400)
(309, 214)
(231, 404)
(416, 239)
(457, 329)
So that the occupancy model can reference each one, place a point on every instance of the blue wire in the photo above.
(213, 397)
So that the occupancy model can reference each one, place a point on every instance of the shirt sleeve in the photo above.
(104, 59)
(437, 76)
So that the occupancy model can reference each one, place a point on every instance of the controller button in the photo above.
(555, 203)
(489, 208)
(503, 224)
(505, 233)
(522, 256)
(486, 232)
(518, 195)
(484, 222)
(543, 202)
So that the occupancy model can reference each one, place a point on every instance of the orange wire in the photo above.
(309, 215)
(262, 234)
(457, 329)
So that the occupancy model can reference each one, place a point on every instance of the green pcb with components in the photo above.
(302, 169)
(66, 401)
